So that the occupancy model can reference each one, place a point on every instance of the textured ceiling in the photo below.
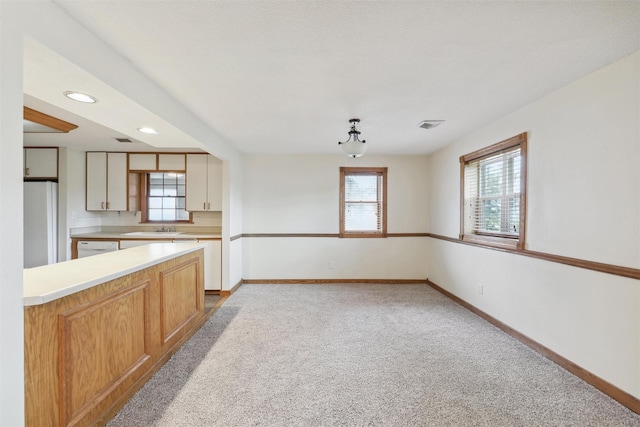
(285, 77)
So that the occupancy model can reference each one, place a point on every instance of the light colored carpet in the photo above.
(360, 355)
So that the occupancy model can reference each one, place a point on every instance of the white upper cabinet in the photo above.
(142, 162)
(146, 162)
(106, 182)
(96, 181)
(117, 182)
(171, 162)
(40, 163)
(204, 183)
(214, 183)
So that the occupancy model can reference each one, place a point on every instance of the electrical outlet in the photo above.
(480, 288)
(330, 265)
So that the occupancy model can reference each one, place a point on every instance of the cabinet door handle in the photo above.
(107, 205)
(101, 205)
(26, 171)
(204, 205)
(208, 206)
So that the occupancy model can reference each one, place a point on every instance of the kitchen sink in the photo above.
(152, 233)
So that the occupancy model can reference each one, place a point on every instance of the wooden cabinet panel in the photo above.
(93, 366)
(86, 353)
(179, 299)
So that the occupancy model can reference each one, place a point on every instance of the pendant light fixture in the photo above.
(353, 146)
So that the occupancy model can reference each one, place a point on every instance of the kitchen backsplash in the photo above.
(200, 219)
(82, 219)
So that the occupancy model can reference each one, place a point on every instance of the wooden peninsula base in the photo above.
(87, 353)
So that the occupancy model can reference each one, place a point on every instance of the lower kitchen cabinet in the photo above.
(212, 265)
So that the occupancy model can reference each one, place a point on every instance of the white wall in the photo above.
(300, 194)
(232, 251)
(583, 202)
(132, 219)
(11, 246)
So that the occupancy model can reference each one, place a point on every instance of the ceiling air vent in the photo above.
(123, 140)
(428, 124)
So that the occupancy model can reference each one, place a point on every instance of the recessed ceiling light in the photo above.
(80, 97)
(148, 130)
(428, 124)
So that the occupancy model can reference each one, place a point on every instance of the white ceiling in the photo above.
(285, 77)
(88, 136)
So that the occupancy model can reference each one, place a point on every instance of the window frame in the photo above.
(143, 190)
(372, 171)
(488, 239)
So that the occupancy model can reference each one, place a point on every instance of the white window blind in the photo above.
(166, 197)
(492, 194)
(363, 205)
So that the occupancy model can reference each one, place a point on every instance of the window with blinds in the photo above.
(164, 199)
(493, 194)
(363, 202)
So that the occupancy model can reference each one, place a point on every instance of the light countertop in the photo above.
(50, 282)
(147, 236)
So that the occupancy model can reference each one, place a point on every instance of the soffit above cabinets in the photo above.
(88, 136)
(37, 122)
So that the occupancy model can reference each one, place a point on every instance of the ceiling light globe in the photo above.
(354, 148)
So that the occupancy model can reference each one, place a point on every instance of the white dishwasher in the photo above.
(95, 247)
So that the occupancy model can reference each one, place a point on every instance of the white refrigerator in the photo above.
(40, 223)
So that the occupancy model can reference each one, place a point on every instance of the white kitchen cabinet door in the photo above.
(171, 162)
(204, 183)
(106, 181)
(116, 182)
(213, 265)
(196, 192)
(96, 181)
(41, 163)
(214, 184)
(142, 162)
